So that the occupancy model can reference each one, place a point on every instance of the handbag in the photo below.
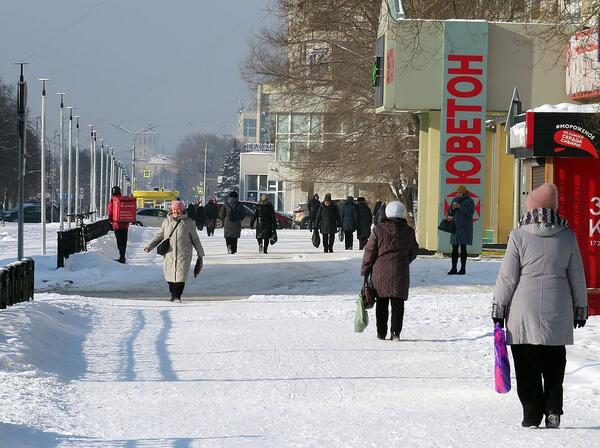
(165, 244)
(273, 238)
(367, 293)
(447, 226)
(501, 361)
(316, 238)
(361, 319)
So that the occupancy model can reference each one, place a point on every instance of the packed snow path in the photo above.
(268, 370)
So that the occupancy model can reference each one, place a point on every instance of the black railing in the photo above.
(75, 240)
(16, 282)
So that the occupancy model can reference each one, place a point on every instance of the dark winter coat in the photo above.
(199, 217)
(463, 219)
(265, 219)
(233, 228)
(391, 248)
(349, 216)
(313, 207)
(376, 208)
(191, 212)
(327, 219)
(380, 215)
(364, 220)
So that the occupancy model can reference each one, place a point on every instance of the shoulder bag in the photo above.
(165, 244)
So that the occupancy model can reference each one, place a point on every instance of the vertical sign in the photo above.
(462, 127)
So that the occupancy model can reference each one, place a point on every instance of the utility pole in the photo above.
(204, 178)
(61, 210)
(69, 170)
(77, 196)
(43, 166)
(101, 191)
(22, 133)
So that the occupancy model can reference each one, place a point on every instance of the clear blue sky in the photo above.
(134, 62)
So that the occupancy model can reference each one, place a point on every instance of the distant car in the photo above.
(150, 217)
(301, 216)
(32, 213)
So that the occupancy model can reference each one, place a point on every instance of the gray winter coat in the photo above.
(232, 228)
(463, 218)
(176, 264)
(540, 285)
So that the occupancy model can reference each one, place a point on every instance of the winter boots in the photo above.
(552, 421)
(463, 264)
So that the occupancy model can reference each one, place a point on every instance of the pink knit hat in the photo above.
(544, 196)
(177, 205)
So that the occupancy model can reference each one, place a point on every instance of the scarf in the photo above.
(546, 217)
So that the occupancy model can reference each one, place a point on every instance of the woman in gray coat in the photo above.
(176, 264)
(232, 214)
(541, 296)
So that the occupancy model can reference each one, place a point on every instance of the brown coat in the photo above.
(391, 248)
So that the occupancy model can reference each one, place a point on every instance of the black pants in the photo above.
(381, 313)
(121, 236)
(311, 222)
(328, 240)
(463, 256)
(534, 364)
(362, 243)
(349, 239)
(210, 231)
(176, 289)
(231, 244)
(263, 245)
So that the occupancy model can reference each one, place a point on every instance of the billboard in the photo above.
(463, 115)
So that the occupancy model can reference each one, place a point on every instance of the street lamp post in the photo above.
(61, 210)
(69, 170)
(43, 166)
(101, 191)
(22, 134)
(108, 179)
(204, 178)
(77, 196)
(133, 134)
(91, 166)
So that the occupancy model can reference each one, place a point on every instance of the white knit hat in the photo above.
(395, 209)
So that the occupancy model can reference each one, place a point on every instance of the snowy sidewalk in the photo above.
(282, 370)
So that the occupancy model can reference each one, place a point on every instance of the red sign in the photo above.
(579, 202)
(390, 66)
(574, 139)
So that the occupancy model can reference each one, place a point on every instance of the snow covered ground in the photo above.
(101, 359)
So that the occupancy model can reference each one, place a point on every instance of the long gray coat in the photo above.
(463, 218)
(232, 229)
(176, 264)
(541, 282)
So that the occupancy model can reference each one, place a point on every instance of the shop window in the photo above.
(283, 124)
(300, 123)
(251, 182)
(282, 151)
(262, 183)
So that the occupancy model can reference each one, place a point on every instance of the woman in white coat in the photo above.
(541, 296)
(184, 238)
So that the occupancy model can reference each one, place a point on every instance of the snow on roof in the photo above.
(568, 107)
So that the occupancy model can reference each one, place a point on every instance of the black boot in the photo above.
(260, 248)
(453, 271)
(463, 264)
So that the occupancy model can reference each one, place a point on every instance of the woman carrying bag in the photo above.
(266, 223)
(388, 253)
(177, 238)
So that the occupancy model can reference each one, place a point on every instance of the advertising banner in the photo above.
(579, 202)
(463, 115)
(566, 134)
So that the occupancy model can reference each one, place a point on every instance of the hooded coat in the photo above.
(540, 284)
(364, 220)
(463, 219)
(232, 228)
(391, 248)
(349, 216)
(176, 264)
(328, 219)
(265, 219)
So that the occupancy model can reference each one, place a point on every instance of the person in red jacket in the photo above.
(120, 228)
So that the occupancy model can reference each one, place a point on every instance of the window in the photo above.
(249, 127)
(300, 123)
(282, 151)
(263, 183)
(283, 124)
(251, 182)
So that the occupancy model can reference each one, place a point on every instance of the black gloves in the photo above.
(579, 323)
(498, 321)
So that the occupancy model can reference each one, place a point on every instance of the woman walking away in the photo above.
(210, 215)
(231, 214)
(313, 207)
(541, 296)
(327, 221)
(461, 210)
(266, 222)
(391, 248)
(182, 235)
(120, 228)
(364, 220)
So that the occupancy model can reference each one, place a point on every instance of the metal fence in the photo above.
(75, 240)
(16, 282)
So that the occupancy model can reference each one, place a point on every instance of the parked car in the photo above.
(150, 217)
(32, 213)
(301, 216)
(284, 220)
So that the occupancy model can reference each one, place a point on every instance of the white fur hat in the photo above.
(395, 209)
